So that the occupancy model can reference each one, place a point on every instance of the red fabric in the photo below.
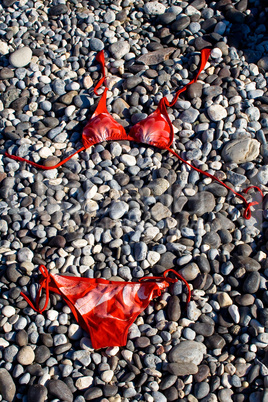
(155, 130)
(105, 309)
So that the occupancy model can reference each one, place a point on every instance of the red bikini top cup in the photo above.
(155, 130)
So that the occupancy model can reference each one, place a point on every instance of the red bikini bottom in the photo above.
(105, 309)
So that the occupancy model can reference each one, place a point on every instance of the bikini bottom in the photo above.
(105, 309)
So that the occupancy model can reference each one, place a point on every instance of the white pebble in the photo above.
(216, 53)
(127, 354)
(84, 382)
(69, 110)
(79, 243)
(112, 351)
(234, 313)
(52, 315)
(4, 48)
(107, 375)
(45, 152)
(8, 311)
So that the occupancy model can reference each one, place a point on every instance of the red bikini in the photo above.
(105, 309)
(155, 130)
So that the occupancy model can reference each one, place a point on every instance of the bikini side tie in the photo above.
(145, 278)
(44, 283)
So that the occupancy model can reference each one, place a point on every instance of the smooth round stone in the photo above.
(58, 389)
(58, 10)
(21, 57)
(154, 8)
(37, 392)
(96, 44)
(252, 282)
(79, 243)
(7, 385)
(158, 397)
(213, 239)
(263, 63)
(160, 211)
(234, 313)
(142, 342)
(203, 328)
(187, 352)
(215, 342)
(107, 375)
(216, 112)
(194, 27)
(93, 393)
(189, 334)
(225, 395)
(158, 186)
(224, 299)
(190, 271)
(181, 23)
(201, 390)
(189, 116)
(195, 90)
(119, 49)
(118, 209)
(42, 353)
(8, 311)
(20, 324)
(84, 382)
(174, 308)
(22, 338)
(216, 53)
(128, 160)
(245, 299)
(201, 203)
(25, 254)
(241, 150)
(25, 356)
(69, 110)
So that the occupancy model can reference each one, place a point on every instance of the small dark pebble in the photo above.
(37, 393)
(215, 342)
(252, 282)
(142, 342)
(58, 10)
(58, 389)
(93, 393)
(47, 340)
(7, 385)
(174, 308)
(42, 353)
(35, 370)
(22, 337)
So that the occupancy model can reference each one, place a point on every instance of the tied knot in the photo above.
(247, 212)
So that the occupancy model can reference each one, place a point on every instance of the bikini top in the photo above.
(156, 129)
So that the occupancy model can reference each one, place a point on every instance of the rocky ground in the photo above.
(123, 211)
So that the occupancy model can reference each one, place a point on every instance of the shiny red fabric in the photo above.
(105, 309)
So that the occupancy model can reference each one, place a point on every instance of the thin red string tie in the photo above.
(44, 283)
(247, 212)
(18, 158)
(182, 279)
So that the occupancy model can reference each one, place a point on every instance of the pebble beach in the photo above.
(122, 210)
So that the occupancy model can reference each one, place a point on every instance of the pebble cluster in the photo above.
(122, 211)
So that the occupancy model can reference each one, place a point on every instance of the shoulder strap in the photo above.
(205, 53)
(101, 59)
